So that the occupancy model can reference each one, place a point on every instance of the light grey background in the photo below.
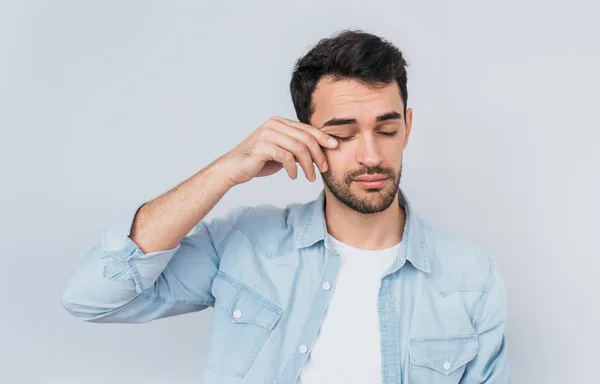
(106, 104)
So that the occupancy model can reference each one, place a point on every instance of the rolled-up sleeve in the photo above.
(116, 282)
(490, 365)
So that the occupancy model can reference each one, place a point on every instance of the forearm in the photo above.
(163, 222)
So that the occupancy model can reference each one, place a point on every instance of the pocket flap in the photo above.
(444, 354)
(243, 304)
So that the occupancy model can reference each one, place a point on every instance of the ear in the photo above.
(408, 125)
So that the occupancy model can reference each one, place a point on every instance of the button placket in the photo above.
(317, 311)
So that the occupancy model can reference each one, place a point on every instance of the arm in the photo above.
(159, 261)
(162, 258)
(490, 365)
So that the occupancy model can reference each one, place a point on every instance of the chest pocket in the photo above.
(441, 360)
(242, 322)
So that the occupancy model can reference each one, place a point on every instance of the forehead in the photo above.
(352, 99)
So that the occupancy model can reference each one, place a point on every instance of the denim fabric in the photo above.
(442, 304)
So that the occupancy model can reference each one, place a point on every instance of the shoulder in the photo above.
(457, 263)
(256, 218)
(269, 228)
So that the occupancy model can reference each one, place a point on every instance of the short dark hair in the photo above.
(349, 54)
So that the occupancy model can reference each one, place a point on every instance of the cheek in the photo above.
(339, 160)
(392, 153)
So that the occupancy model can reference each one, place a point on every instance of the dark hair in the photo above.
(349, 54)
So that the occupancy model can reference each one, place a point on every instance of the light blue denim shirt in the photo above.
(264, 269)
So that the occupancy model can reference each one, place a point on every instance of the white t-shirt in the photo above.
(347, 349)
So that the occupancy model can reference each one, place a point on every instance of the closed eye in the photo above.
(389, 134)
(341, 138)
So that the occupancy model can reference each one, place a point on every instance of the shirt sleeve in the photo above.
(117, 283)
(490, 365)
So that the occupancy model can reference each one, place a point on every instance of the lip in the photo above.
(375, 177)
(371, 181)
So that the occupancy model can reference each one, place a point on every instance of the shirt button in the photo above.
(237, 313)
(447, 365)
(327, 285)
(303, 348)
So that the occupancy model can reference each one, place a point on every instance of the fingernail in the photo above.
(325, 166)
(332, 142)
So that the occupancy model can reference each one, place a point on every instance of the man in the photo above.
(353, 287)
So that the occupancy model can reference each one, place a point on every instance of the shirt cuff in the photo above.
(126, 256)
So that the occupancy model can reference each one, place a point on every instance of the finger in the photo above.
(323, 138)
(309, 140)
(297, 148)
(286, 158)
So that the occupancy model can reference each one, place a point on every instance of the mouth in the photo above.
(371, 181)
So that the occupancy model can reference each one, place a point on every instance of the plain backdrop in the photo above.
(107, 104)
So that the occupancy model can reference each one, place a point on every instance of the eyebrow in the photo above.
(346, 121)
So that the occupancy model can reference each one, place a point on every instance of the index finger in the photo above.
(324, 139)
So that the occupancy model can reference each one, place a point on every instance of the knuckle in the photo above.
(264, 132)
(298, 145)
(311, 140)
(259, 148)
(266, 124)
(273, 121)
(306, 137)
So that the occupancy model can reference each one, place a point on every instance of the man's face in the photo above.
(372, 132)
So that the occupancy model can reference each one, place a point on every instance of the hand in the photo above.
(279, 143)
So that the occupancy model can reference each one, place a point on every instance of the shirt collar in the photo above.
(314, 230)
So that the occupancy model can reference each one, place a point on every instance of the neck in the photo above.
(370, 232)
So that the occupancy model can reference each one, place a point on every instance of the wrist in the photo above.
(220, 173)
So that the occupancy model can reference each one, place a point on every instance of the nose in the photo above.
(368, 154)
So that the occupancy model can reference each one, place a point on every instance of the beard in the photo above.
(365, 201)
